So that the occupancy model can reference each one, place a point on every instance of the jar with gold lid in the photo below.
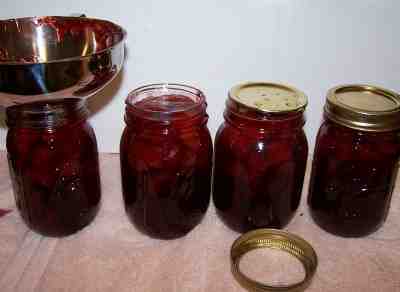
(355, 160)
(260, 156)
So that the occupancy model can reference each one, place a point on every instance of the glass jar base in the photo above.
(246, 226)
(63, 231)
(344, 230)
(172, 232)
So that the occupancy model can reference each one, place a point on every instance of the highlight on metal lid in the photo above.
(269, 97)
(364, 107)
(273, 239)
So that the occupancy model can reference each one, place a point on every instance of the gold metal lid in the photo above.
(364, 107)
(269, 97)
(273, 239)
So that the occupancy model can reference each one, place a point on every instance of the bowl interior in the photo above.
(55, 38)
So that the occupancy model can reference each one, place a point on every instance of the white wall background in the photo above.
(213, 45)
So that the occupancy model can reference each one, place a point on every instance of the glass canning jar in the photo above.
(53, 162)
(355, 160)
(260, 156)
(166, 159)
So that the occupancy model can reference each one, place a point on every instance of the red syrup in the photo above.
(4, 212)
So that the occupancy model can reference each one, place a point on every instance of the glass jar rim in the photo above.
(160, 89)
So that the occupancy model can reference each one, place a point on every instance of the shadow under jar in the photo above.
(355, 160)
(166, 159)
(53, 161)
(260, 156)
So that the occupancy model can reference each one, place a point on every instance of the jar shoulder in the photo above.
(346, 143)
(169, 146)
(165, 135)
(234, 143)
(227, 134)
(69, 138)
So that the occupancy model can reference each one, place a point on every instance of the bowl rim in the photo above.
(122, 31)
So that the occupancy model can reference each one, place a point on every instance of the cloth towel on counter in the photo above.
(111, 255)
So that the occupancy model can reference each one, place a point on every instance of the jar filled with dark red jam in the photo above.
(166, 159)
(53, 161)
(260, 156)
(355, 160)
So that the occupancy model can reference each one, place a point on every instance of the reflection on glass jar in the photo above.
(355, 160)
(166, 159)
(53, 161)
(260, 156)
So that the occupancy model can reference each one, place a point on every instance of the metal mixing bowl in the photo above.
(53, 57)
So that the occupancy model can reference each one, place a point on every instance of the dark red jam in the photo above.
(53, 161)
(260, 161)
(352, 179)
(166, 159)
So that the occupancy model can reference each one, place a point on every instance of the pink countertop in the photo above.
(110, 255)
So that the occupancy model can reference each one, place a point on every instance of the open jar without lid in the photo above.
(260, 156)
(53, 161)
(166, 157)
(355, 160)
